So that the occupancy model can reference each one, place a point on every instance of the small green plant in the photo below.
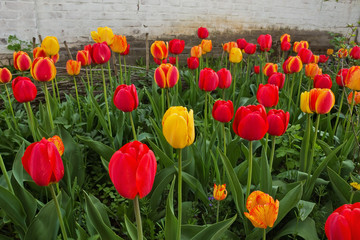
(15, 44)
(346, 40)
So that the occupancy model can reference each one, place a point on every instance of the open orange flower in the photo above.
(263, 210)
(220, 192)
(206, 46)
(196, 51)
(312, 69)
(73, 67)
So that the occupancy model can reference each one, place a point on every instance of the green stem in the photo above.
(264, 234)
(168, 98)
(121, 73)
(62, 226)
(249, 170)
(53, 89)
(272, 151)
(351, 197)
(351, 112)
(162, 102)
(313, 145)
(138, 218)
(217, 211)
(3, 169)
(307, 142)
(48, 106)
(179, 197)
(91, 77)
(205, 122)
(30, 120)
(299, 89)
(234, 85)
(11, 108)
(132, 126)
(340, 107)
(266, 142)
(105, 96)
(224, 135)
(126, 78)
(110, 78)
(291, 91)
(77, 97)
(87, 77)
(57, 90)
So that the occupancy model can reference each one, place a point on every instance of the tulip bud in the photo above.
(126, 98)
(312, 69)
(5, 75)
(265, 42)
(220, 192)
(285, 46)
(256, 69)
(24, 89)
(202, 32)
(277, 79)
(356, 98)
(355, 53)
(223, 111)
(340, 77)
(196, 51)
(323, 59)
(103, 34)
(73, 67)
(100, 53)
(39, 52)
(224, 78)
(43, 163)
(342, 53)
(241, 43)
(250, 48)
(293, 65)
(269, 69)
(176, 46)
(300, 45)
(228, 46)
(206, 46)
(22, 61)
(50, 45)
(278, 122)
(119, 44)
(132, 170)
(268, 95)
(322, 81)
(321, 100)
(84, 57)
(208, 80)
(285, 38)
(178, 127)
(305, 55)
(352, 79)
(193, 62)
(159, 50)
(166, 76)
(235, 55)
(43, 69)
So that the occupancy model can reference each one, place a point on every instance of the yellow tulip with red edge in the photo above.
(220, 192)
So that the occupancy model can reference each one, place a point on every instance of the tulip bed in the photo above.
(246, 146)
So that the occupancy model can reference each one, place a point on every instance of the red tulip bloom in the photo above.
(355, 53)
(340, 77)
(285, 38)
(159, 50)
(166, 75)
(305, 55)
(300, 45)
(285, 46)
(22, 61)
(269, 69)
(24, 89)
(277, 79)
(208, 80)
(132, 170)
(223, 111)
(322, 81)
(84, 57)
(278, 122)
(176, 46)
(159, 62)
(241, 42)
(250, 48)
(5, 75)
(43, 163)
(265, 42)
(203, 32)
(256, 69)
(172, 60)
(193, 62)
(343, 223)
(293, 65)
(321, 100)
(126, 51)
(101, 53)
(89, 49)
(126, 98)
(315, 59)
(43, 69)
(268, 95)
(224, 78)
(323, 58)
(39, 52)
(251, 122)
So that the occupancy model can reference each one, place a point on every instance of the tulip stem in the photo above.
(57, 89)
(132, 126)
(205, 122)
(91, 76)
(234, 86)
(3, 169)
(126, 78)
(121, 73)
(299, 89)
(53, 89)
(313, 145)
(266, 142)
(106, 102)
(307, 142)
(162, 102)
(338, 114)
(291, 91)
(272, 152)
(57, 206)
(110, 78)
(168, 98)
(217, 211)
(87, 77)
(179, 196)
(48, 106)
(11, 108)
(224, 135)
(138, 218)
(77, 97)
(249, 170)
(351, 111)
(31, 119)
(264, 235)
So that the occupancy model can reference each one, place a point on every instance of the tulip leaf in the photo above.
(97, 221)
(214, 231)
(101, 117)
(160, 136)
(17, 168)
(305, 229)
(45, 225)
(131, 228)
(304, 153)
(171, 221)
(164, 159)
(265, 174)
(304, 208)
(162, 179)
(196, 186)
(340, 186)
(103, 150)
(153, 105)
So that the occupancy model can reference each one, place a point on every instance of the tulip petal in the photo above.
(191, 128)
(124, 100)
(39, 165)
(159, 77)
(252, 127)
(324, 102)
(337, 227)
(145, 174)
(175, 130)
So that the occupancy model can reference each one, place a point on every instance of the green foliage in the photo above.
(15, 44)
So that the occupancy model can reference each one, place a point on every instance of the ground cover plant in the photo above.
(248, 145)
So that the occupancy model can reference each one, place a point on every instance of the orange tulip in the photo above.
(342, 53)
(39, 52)
(321, 100)
(285, 37)
(84, 57)
(312, 69)
(228, 46)
(58, 143)
(352, 79)
(159, 50)
(43, 69)
(22, 61)
(330, 51)
(294, 65)
(269, 69)
(356, 98)
(206, 46)
(315, 59)
(5, 75)
(73, 67)
(263, 210)
(166, 75)
(300, 45)
(196, 51)
(220, 192)
(119, 44)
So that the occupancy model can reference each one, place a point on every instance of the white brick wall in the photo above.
(73, 20)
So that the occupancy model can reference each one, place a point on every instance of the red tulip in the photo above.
(43, 163)
(22, 61)
(268, 95)
(126, 98)
(89, 49)
(323, 58)
(172, 60)
(305, 55)
(285, 65)
(193, 62)
(321, 100)
(84, 57)
(355, 53)
(208, 80)
(24, 89)
(159, 62)
(224, 78)
(5, 75)
(322, 81)
(126, 51)
(43, 69)
(269, 69)
(341, 75)
(265, 42)
(250, 48)
(285, 38)
(256, 69)
(343, 223)
(285, 46)
(278, 122)
(277, 79)
(101, 53)
(166, 75)
(241, 43)
(293, 65)
(159, 50)
(203, 32)
(223, 111)
(251, 122)
(176, 46)
(300, 45)
(315, 59)
(132, 170)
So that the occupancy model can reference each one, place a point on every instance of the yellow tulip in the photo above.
(235, 55)
(50, 45)
(103, 34)
(178, 127)
(305, 102)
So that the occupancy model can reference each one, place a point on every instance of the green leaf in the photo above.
(214, 231)
(170, 219)
(164, 159)
(265, 175)
(101, 117)
(196, 186)
(97, 221)
(340, 186)
(103, 150)
(153, 105)
(304, 208)
(18, 169)
(162, 179)
(131, 228)
(305, 229)
(160, 137)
